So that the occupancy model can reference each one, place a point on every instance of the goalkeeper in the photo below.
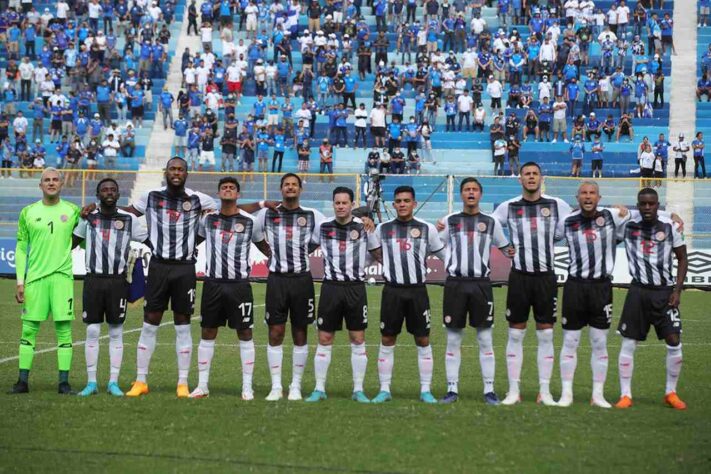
(45, 282)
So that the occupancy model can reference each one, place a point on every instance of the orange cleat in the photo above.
(138, 389)
(672, 400)
(182, 391)
(624, 402)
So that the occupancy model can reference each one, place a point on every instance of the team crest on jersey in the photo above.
(239, 227)
(63, 218)
(118, 225)
(301, 221)
(187, 205)
(355, 234)
(545, 212)
(600, 221)
(415, 233)
(660, 236)
(481, 226)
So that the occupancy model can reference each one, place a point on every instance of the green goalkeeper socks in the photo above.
(63, 330)
(27, 344)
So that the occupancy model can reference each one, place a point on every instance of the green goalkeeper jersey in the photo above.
(44, 240)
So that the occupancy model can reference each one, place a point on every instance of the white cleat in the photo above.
(599, 401)
(275, 395)
(565, 400)
(512, 398)
(294, 394)
(248, 396)
(546, 399)
(199, 393)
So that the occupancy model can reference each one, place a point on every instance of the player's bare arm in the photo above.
(264, 247)
(377, 254)
(682, 267)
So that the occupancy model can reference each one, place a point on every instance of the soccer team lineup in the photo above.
(524, 229)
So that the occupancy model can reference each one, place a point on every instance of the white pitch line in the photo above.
(81, 343)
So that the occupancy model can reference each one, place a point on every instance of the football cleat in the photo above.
(247, 396)
(200, 393)
(90, 389)
(113, 389)
(182, 391)
(294, 394)
(275, 395)
(624, 402)
(449, 397)
(138, 389)
(512, 398)
(382, 397)
(672, 400)
(566, 399)
(599, 401)
(19, 387)
(316, 396)
(64, 388)
(427, 397)
(491, 398)
(546, 399)
(360, 397)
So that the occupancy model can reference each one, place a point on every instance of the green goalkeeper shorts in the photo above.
(53, 294)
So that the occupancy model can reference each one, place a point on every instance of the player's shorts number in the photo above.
(191, 295)
(311, 308)
(246, 309)
(608, 312)
(427, 316)
(673, 314)
(365, 314)
(491, 311)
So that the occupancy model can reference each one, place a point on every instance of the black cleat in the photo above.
(20, 387)
(64, 388)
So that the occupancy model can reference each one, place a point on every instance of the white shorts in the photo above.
(251, 23)
(272, 119)
(207, 157)
(181, 141)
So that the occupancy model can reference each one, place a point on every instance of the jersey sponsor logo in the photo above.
(301, 221)
(481, 226)
(118, 225)
(415, 233)
(355, 234)
(226, 236)
(187, 205)
(239, 227)
(600, 221)
(173, 216)
(545, 212)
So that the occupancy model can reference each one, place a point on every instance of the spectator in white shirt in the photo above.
(464, 106)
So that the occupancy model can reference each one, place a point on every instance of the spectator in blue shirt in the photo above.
(576, 154)
(597, 149)
(181, 135)
(698, 146)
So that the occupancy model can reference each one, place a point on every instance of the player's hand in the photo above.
(675, 299)
(623, 210)
(368, 224)
(678, 221)
(439, 225)
(510, 251)
(88, 209)
(20, 293)
(272, 205)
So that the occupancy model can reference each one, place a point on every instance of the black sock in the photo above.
(24, 375)
(63, 376)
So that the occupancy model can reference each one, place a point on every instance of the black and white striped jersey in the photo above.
(468, 239)
(592, 242)
(108, 238)
(228, 240)
(650, 250)
(173, 221)
(532, 230)
(405, 246)
(344, 248)
(289, 233)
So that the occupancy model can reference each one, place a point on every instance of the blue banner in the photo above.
(7, 256)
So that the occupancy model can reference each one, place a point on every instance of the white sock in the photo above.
(514, 357)
(359, 362)
(386, 360)
(486, 357)
(425, 364)
(453, 358)
(275, 354)
(569, 359)
(546, 357)
(322, 359)
(206, 350)
(674, 362)
(184, 351)
(598, 359)
(115, 351)
(247, 355)
(91, 350)
(300, 356)
(144, 352)
(625, 365)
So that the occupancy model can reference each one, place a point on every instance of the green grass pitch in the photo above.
(43, 432)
